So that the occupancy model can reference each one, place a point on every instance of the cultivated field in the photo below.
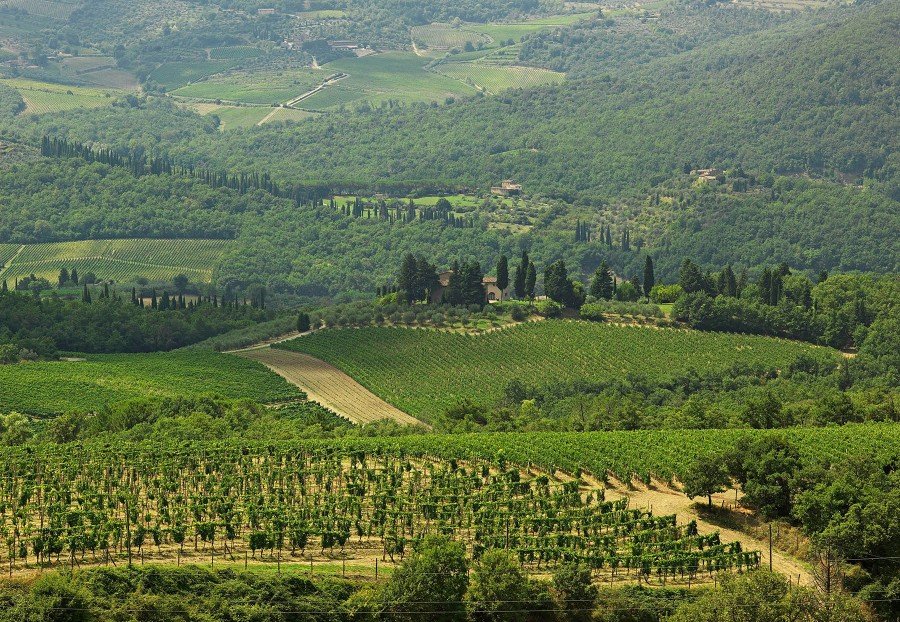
(46, 97)
(445, 37)
(426, 372)
(255, 87)
(120, 260)
(328, 386)
(496, 78)
(358, 499)
(397, 76)
(177, 74)
(48, 388)
(43, 8)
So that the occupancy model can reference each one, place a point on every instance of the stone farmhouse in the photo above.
(507, 188)
(492, 293)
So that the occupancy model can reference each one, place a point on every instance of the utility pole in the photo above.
(770, 547)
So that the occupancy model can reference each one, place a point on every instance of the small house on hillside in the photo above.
(265, 11)
(492, 293)
(708, 174)
(507, 188)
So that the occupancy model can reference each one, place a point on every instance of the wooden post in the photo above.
(128, 532)
(770, 547)
(376, 568)
(245, 560)
(344, 567)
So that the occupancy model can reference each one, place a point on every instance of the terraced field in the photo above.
(49, 388)
(426, 372)
(119, 260)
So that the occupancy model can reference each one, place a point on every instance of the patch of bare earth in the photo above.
(328, 386)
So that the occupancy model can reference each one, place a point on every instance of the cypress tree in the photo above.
(86, 295)
(649, 276)
(74, 276)
(503, 273)
(530, 280)
(601, 283)
(521, 276)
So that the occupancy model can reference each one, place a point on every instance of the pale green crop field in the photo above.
(255, 87)
(398, 76)
(118, 260)
(176, 74)
(45, 97)
(496, 78)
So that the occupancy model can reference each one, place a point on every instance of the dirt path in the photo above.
(268, 117)
(328, 386)
(663, 500)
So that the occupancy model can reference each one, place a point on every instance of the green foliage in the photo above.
(575, 591)
(432, 582)
(112, 325)
(499, 591)
(706, 476)
(767, 597)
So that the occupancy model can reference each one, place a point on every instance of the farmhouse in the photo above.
(343, 45)
(492, 293)
(265, 11)
(708, 174)
(507, 188)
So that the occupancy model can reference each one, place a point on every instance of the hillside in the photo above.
(426, 372)
(816, 94)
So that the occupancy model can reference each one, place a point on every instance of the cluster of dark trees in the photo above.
(838, 310)
(105, 323)
(396, 212)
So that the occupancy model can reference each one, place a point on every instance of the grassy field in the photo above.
(234, 117)
(44, 97)
(257, 87)
(426, 372)
(496, 78)
(499, 32)
(120, 260)
(177, 74)
(56, 387)
(398, 76)
(289, 114)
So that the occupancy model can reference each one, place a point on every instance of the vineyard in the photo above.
(432, 371)
(43, 8)
(255, 87)
(44, 97)
(120, 260)
(234, 52)
(288, 504)
(357, 499)
(47, 388)
(445, 37)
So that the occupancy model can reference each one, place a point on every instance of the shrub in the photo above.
(665, 294)
(548, 308)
